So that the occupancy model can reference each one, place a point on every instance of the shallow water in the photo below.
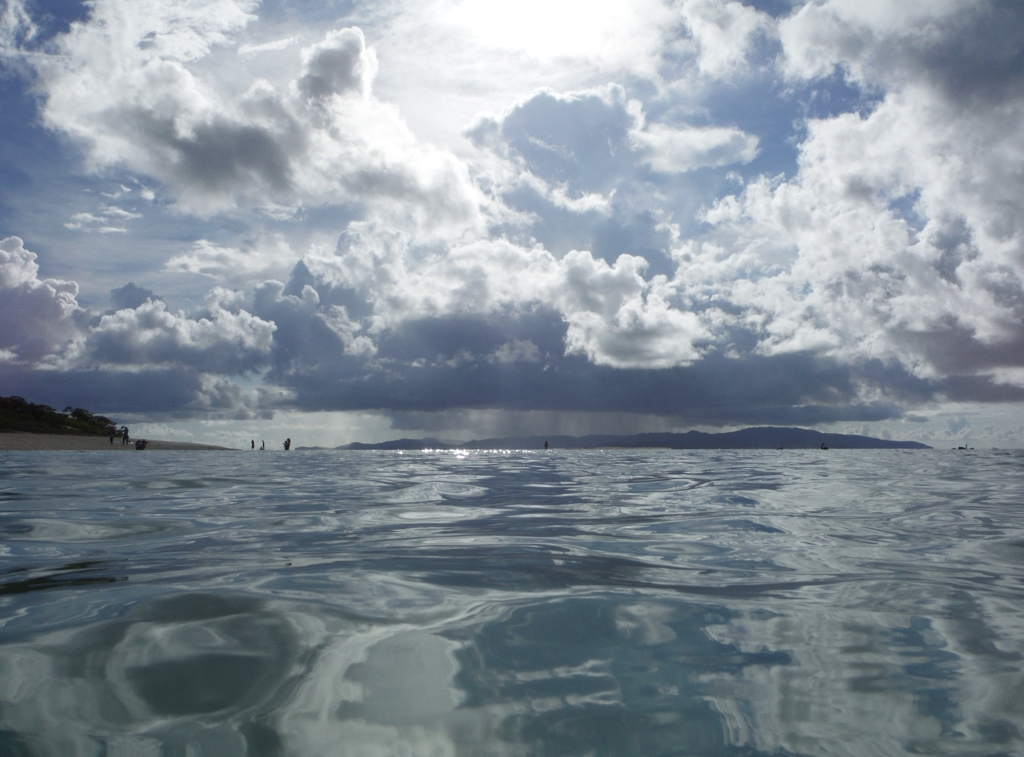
(645, 602)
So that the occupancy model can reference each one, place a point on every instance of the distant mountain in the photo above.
(766, 437)
(403, 444)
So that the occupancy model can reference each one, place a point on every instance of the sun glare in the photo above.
(548, 29)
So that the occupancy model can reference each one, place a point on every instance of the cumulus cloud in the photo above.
(43, 326)
(39, 316)
(131, 85)
(338, 65)
(614, 315)
(130, 296)
(588, 230)
(723, 33)
(617, 318)
(150, 335)
(900, 236)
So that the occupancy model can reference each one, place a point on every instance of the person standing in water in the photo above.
(287, 444)
(263, 444)
(253, 441)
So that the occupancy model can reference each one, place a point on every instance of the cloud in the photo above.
(832, 261)
(17, 29)
(39, 316)
(132, 85)
(679, 150)
(274, 45)
(130, 296)
(617, 318)
(43, 326)
(338, 65)
(150, 335)
(958, 426)
(614, 315)
(634, 233)
(610, 34)
(595, 139)
(230, 263)
(723, 32)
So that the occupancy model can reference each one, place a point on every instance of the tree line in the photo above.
(18, 414)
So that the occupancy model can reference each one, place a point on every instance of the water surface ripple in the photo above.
(647, 602)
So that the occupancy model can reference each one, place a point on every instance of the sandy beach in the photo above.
(18, 441)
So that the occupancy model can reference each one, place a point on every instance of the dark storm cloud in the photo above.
(106, 392)
(441, 339)
(956, 350)
(449, 363)
(978, 389)
(977, 55)
(738, 392)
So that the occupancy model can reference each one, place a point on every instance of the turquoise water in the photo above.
(645, 602)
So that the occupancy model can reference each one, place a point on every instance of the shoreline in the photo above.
(20, 441)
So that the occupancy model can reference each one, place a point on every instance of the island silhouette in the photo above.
(761, 437)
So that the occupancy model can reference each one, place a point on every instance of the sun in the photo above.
(547, 29)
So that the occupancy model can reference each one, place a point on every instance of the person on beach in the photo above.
(287, 444)
(263, 444)
(253, 443)
(113, 433)
(124, 435)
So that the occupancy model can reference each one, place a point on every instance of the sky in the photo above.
(343, 220)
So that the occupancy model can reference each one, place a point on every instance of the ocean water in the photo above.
(647, 602)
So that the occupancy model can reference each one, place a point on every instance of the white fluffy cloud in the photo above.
(134, 85)
(38, 316)
(901, 235)
(673, 150)
(222, 341)
(614, 316)
(723, 32)
(44, 325)
(232, 264)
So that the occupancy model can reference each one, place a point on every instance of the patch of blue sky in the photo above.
(906, 208)
(777, 111)
(53, 17)
(774, 8)
(305, 12)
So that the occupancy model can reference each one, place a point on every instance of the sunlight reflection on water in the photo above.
(606, 603)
